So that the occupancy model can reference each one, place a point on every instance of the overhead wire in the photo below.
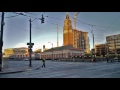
(25, 15)
(114, 21)
(51, 22)
(98, 25)
(35, 14)
(12, 16)
(54, 23)
(30, 17)
(54, 18)
(61, 19)
(95, 25)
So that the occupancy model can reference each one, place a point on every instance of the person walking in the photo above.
(43, 60)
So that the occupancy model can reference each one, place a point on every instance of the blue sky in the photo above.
(16, 29)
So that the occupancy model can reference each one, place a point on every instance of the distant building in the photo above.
(45, 49)
(38, 51)
(16, 52)
(76, 38)
(101, 49)
(62, 52)
(113, 43)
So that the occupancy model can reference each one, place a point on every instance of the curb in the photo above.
(18, 71)
(11, 72)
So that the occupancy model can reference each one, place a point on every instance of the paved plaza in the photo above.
(57, 69)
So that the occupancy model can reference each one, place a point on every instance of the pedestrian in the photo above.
(43, 60)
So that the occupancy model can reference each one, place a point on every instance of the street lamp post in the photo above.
(93, 46)
(1, 40)
(52, 49)
(30, 44)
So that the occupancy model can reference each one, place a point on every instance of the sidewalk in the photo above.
(18, 69)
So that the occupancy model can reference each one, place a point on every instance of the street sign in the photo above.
(30, 44)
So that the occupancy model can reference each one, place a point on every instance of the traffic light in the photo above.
(42, 20)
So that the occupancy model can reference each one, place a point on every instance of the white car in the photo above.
(25, 59)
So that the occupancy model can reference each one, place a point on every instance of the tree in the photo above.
(37, 51)
(88, 55)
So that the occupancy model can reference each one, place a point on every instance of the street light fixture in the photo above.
(31, 44)
(52, 49)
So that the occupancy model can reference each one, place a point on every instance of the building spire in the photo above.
(67, 16)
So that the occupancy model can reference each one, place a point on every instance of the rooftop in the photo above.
(68, 47)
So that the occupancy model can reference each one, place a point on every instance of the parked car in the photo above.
(25, 59)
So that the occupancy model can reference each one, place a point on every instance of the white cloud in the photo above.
(21, 45)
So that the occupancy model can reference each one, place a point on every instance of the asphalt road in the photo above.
(55, 69)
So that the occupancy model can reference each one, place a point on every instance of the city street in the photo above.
(57, 69)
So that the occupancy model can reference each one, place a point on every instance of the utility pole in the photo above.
(57, 37)
(93, 46)
(1, 40)
(30, 46)
(30, 43)
(52, 50)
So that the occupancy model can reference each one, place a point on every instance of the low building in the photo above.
(16, 52)
(62, 52)
(101, 49)
(38, 51)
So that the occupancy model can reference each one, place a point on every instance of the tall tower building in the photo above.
(67, 32)
(76, 38)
